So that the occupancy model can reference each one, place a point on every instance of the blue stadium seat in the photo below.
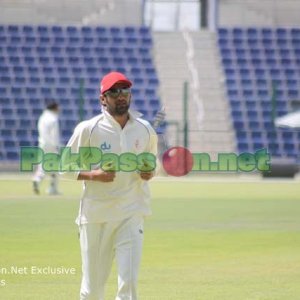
(115, 31)
(245, 73)
(3, 39)
(88, 40)
(253, 43)
(295, 32)
(238, 32)
(72, 31)
(56, 30)
(42, 30)
(28, 30)
(25, 123)
(242, 136)
(266, 33)
(271, 62)
(85, 51)
(223, 32)
(223, 43)
(9, 123)
(252, 32)
(12, 155)
(50, 61)
(131, 31)
(242, 62)
(226, 53)
(293, 93)
(267, 42)
(58, 60)
(248, 93)
(61, 70)
(254, 125)
(240, 53)
(281, 33)
(153, 81)
(275, 73)
(12, 29)
(284, 53)
(59, 40)
(16, 91)
(6, 133)
(244, 147)
(252, 115)
(290, 73)
(101, 31)
(143, 31)
(296, 42)
(36, 112)
(230, 73)
(30, 40)
(237, 115)
(86, 31)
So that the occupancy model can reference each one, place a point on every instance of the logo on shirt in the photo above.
(105, 146)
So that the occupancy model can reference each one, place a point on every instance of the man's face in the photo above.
(116, 101)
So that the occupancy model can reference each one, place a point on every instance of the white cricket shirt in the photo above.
(128, 194)
(48, 129)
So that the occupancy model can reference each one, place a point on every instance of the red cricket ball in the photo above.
(177, 161)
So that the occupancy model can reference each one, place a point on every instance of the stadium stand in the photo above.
(42, 62)
(262, 69)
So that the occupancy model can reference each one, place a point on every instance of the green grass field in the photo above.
(223, 241)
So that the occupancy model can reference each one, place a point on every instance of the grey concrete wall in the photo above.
(259, 13)
(78, 12)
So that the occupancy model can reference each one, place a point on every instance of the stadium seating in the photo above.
(261, 64)
(42, 62)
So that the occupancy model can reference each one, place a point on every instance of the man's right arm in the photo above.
(80, 139)
(97, 175)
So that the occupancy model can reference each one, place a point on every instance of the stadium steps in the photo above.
(171, 65)
(172, 70)
(217, 134)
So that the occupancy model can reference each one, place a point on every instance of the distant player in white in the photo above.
(114, 204)
(49, 142)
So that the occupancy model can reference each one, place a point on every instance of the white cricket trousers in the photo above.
(40, 174)
(100, 243)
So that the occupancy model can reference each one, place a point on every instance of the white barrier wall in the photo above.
(77, 12)
(259, 13)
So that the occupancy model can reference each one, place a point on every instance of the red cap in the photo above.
(112, 78)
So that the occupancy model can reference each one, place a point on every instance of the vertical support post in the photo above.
(81, 101)
(185, 115)
(204, 13)
(274, 113)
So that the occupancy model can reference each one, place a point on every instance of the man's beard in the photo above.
(121, 109)
(118, 110)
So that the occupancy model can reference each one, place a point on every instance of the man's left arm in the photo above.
(152, 148)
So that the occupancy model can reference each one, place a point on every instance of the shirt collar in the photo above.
(133, 115)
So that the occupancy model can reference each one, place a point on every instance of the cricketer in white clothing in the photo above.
(49, 142)
(114, 204)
